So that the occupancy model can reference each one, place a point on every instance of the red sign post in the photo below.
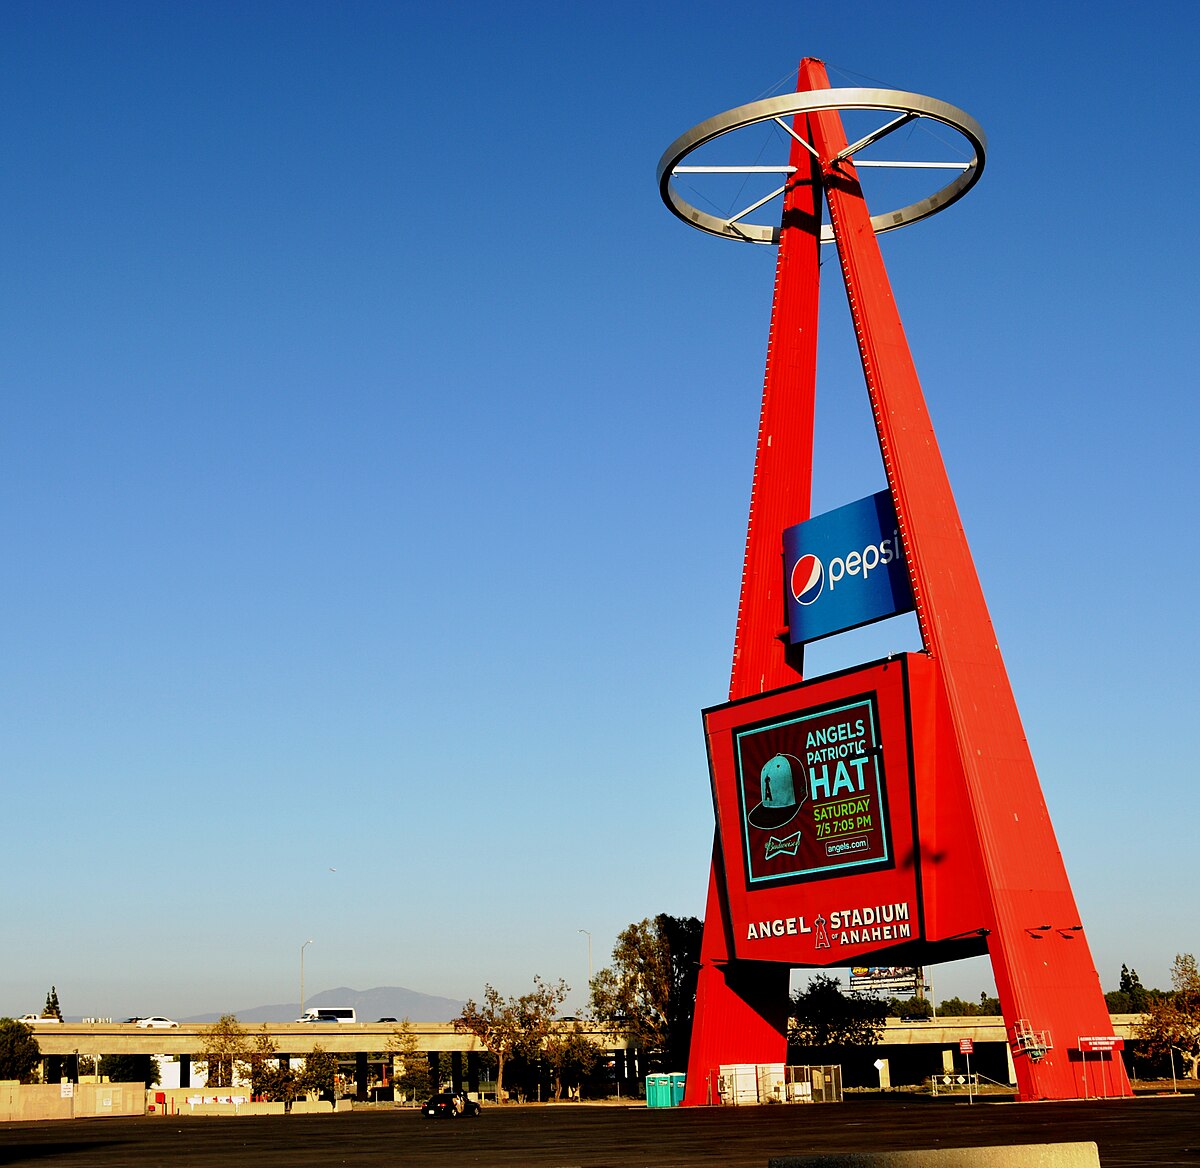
(891, 813)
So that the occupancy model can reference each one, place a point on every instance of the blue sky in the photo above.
(377, 451)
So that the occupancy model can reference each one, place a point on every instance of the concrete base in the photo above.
(1081, 1155)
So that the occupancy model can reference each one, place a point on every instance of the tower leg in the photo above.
(1044, 971)
(741, 1007)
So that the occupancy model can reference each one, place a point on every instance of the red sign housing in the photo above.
(822, 792)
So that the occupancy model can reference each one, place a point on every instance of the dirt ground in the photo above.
(1145, 1131)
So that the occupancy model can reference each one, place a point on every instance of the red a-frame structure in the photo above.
(984, 861)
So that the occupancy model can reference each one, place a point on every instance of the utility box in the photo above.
(737, 1084)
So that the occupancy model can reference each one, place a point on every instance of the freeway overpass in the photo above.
(983, 1028)
(293, 1038)
(299, 1038)
(913, 1051)
(61, 1045)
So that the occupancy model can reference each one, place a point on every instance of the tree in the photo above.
(537, 1012)
(225, 1053)
(513, 1026)
(572, 1055)
(823, 1016)
(1131, 986)
(130, 1068)
(1130, 997)
(909, 1008)
(410, 1068)
(51, 1009)
(1172, 1021)
(537, 1015)
(648, 994)
(268, 1079)
(320, 1072)
(494, 1023)
(19, 1051)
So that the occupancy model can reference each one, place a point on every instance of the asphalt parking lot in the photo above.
(1144, 1131)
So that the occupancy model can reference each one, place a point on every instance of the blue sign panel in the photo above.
(844, 569)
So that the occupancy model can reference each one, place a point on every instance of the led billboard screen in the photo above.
(815, 813)
(812, 793)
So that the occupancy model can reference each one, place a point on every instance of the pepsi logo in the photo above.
(808, 579)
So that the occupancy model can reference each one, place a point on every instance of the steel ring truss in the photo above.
(908, 107)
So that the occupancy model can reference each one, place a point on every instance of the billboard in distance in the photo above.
(894, 980)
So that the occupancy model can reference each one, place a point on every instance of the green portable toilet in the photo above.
(678, 1082)
(658, 1090)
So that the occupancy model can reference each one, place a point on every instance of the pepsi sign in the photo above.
(845, 569)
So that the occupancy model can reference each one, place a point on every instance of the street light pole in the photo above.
(302, 948)
(589, 937)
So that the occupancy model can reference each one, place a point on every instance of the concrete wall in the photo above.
(35, 1101)
(179, 1101)
(46, 1101)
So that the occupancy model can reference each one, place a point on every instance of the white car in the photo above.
(38, 1019)
(156, 1023)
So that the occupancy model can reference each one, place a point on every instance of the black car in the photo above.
(447, 1105)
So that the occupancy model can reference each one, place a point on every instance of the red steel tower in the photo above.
(971, 864)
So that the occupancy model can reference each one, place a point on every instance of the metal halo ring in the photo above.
(913, 104)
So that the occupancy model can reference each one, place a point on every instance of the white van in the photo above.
(330, 1014)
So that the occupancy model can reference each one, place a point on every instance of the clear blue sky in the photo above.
(376, 454)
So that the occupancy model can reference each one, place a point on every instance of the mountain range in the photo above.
(381, 1002)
